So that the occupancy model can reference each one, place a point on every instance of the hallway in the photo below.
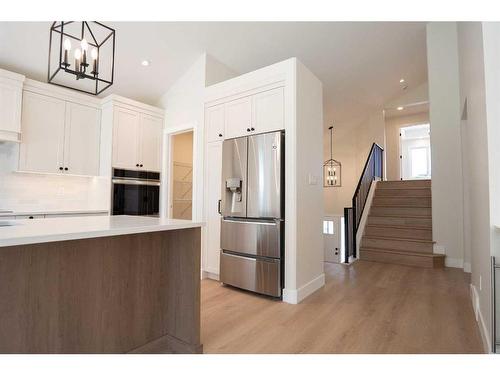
(364, 308)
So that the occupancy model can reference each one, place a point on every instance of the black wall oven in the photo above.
(136, 193)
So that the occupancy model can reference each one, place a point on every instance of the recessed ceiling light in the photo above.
(400, 108)
(402, 80)
(145, 62)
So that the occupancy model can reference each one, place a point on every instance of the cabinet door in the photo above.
(238, 115)
(125, 138)
(215, 123)
(10, 108)
(42, 141)
(81, 139)
(212, 197)
(268, 111)
(150, 142)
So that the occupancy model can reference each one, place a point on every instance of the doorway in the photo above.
(415, 152)
(181, 176)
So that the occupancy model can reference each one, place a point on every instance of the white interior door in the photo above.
(415, 152)
(332, 239)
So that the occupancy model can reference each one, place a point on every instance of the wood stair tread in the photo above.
(401, 252)
(385, 226)
(403, 216)
(398, 206)
(397, 239)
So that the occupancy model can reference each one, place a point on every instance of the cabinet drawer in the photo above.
(256, 275)
(252, 237)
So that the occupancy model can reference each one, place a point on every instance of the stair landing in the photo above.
(399, 225)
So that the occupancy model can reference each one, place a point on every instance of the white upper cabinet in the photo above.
(42, 142)
(11, 92)
(59, 136)
(268, 111)
(238, 117)
(259, 113)
(82, 136)
(137, 139)
(150, 142)
(215, 123)
(125, 138)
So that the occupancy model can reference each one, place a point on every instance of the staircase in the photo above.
(399, 225)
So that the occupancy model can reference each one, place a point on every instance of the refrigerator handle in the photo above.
(218, 206)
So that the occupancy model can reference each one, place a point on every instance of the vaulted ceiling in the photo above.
(359, 63)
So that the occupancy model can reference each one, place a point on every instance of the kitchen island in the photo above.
(113, 284)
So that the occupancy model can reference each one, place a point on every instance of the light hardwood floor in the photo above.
(364, 308)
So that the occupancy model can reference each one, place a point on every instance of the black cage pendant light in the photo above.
(332, 168)
(81, 56)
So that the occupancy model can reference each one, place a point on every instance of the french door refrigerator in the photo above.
(252, 208)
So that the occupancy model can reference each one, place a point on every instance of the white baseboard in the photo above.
(467, 267)
(480, 319)
(294, 296)
(454, 262)
(209, 275)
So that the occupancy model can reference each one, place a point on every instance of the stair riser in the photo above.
(424, 192)
(418, 234)
(408, 260)
(403, 184)
(403, 201)
(422, 222)
(403, 245)
(401, 211)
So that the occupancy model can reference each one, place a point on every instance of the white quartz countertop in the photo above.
(24, 232)
(51, 212)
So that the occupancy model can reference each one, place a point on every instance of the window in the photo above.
(328, 227)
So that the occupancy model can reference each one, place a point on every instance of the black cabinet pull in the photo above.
(220, 135)
(137, 165)
(140, 165)
(31, 217)
(61, 168)
(66, 168)
(252, 129)
(218, 207)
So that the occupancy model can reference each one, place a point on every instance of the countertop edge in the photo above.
(36, 239)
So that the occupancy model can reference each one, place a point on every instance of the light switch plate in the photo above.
(312, 179)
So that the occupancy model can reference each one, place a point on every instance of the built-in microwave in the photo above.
(135, 193)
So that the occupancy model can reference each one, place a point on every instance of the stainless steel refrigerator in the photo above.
(252, 208)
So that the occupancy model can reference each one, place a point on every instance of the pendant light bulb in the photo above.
(94, 54)
(85, 45)
(78, 54)
(67, 44)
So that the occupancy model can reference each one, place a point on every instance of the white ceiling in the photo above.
(359, 63)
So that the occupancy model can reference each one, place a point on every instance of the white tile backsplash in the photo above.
(29, 192)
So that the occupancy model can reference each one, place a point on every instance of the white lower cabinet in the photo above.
(59, 136)
(213, 162)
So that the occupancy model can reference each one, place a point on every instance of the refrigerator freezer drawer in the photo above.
(256, 275)
(261, 238)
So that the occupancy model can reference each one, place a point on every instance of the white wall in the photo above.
(446, 147)
(309, 197)
(351, 146)
(184, 106)
(26, 192)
